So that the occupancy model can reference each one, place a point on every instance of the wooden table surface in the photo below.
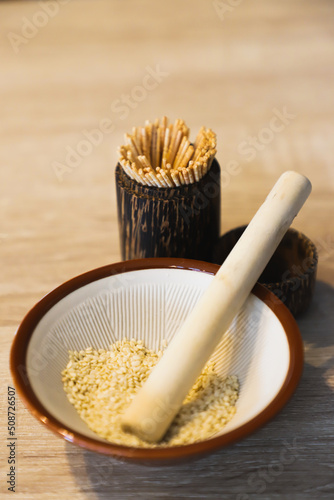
(70, 68)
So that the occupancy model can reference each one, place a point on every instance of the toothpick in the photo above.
(161, 155)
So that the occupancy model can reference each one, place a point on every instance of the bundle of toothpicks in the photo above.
(161, 155)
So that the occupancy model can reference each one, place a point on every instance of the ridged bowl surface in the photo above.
(149, 299)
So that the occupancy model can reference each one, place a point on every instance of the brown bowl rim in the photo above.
(25, 330)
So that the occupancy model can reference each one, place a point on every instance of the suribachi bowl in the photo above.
(149, 299)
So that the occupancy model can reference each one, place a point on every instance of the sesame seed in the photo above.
(101, 384)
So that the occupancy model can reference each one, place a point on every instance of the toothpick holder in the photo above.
(179, 221)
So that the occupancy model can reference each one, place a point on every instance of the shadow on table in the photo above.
(235, 469)
(316, 325)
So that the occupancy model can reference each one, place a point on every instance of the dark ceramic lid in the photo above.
(290, 273)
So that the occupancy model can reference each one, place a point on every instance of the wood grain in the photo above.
(260, 75)
(188, 218)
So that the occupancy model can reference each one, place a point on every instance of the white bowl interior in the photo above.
(151, 305)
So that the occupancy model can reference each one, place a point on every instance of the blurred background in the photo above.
(68, 66)
(76, 75)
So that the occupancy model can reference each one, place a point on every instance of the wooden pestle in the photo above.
(157, 402)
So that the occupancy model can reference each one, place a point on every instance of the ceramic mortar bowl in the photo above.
(149, 299)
